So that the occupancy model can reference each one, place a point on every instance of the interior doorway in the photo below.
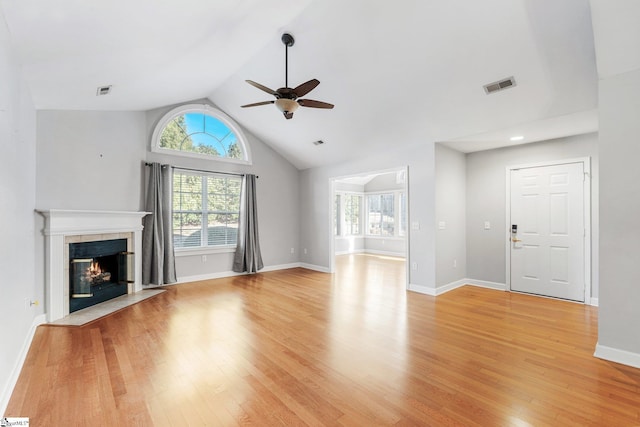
(369, 215)
(548, 218)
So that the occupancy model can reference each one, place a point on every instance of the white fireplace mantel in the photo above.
(59, 224)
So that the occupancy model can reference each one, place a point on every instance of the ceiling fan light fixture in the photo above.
(287, 99)
(286, 105)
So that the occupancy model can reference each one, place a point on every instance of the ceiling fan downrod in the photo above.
(288, 41)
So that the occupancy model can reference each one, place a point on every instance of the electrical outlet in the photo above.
(204, 258)
(487, 225)
(455, 263)
(305, 251)
(293, 250)
(442, 225)
(414, 265)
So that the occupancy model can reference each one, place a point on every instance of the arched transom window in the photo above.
(200, 131)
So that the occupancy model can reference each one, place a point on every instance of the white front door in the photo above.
(548, 231)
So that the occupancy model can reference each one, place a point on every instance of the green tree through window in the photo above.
(197, 130)
(206, 209)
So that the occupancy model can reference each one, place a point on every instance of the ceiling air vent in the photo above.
(103, 90)
(499, 85)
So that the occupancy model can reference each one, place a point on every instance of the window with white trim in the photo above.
(352, 213)
(386, 214)
(347, 214)
(206, 209)
(380, 215)
(195, 130)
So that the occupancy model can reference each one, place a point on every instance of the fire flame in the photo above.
(95, 268)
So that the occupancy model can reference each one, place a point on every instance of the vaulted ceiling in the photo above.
(400, 73)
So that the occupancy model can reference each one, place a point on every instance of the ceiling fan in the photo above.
(286, 98)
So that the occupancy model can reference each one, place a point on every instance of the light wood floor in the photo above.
(297, 347)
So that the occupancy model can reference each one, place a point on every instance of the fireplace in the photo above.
(98, 271)
(64, 229)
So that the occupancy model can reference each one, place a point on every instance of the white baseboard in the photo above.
(421, 289)
(281, 267)
(208, 276)
(315, 267)
(22, 356)
(616, 355)
(223, 274)
(454, 285)
(484, 284)
(385, 253)
(594, 302)
(451, 286)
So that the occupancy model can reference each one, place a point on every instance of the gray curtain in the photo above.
(158, 261)
(248, 257)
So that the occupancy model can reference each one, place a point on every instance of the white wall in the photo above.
(17, 196)
(316, 205)
(486, 199)
(451, 193)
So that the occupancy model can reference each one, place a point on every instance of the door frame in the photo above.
(332, 191)
(586, 162)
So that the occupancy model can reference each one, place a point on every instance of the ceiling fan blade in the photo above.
(264, 88)
(257, 103)
(314, 104)
(305, 88)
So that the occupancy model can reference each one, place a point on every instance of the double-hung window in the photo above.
(348, 214)
(386, 214)
(352, 213)
(206, 209)
(380, 215)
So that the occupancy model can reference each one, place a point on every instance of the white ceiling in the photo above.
(400, 73)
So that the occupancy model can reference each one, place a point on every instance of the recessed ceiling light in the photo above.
(516, 138)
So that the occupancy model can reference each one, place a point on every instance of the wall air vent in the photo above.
(499, 85)
(103, 90)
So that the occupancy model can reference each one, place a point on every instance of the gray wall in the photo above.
(451, 191)
(94, 160)
(619, 314)
(90, 160)
(315, 205)
(486, 199)
(17, 195)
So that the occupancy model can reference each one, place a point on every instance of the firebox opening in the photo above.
(98, 272)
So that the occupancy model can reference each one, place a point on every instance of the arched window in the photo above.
(197, 130)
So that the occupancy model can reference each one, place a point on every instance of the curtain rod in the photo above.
(201, 170)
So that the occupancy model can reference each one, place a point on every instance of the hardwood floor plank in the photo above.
(297, 347)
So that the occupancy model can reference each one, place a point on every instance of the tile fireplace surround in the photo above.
(70, 226)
